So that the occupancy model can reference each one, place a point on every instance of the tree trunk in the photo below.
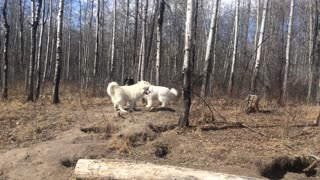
(40, 53)
(113, 55)
(287, 65)
(210, 41)
(4, 92)
(159, 42)
(186, 71)
(235, 49)
(96, 52)
(312, 40)
(48, 46)
(253, 87)
(69, 43)
(142, 55)
(55, 93)
(21, 35)
(124, 41)
(135, 37)
(34, 28)
(257, 25)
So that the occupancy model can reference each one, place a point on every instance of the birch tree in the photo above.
(186, 71)
(124, 40)
(253, 87)
(35, 14)
(312, 40)
(39, 70)
(287, 65)
(4, 93)
(113, 48)
(210, 43)
(57, 74)
(235, 48)
(96, 52)
(49, 31)
(142, 54)
(159, 42)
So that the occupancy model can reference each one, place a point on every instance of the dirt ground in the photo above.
(44, 141)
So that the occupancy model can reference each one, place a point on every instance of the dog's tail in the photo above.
(173, 92)
(111, 86)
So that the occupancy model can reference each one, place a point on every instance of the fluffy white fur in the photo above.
(122, 95)
(163, 94)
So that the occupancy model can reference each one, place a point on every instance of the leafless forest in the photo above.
(58, 56)
(110, 40)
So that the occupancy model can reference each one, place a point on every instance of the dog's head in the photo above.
(144, 87)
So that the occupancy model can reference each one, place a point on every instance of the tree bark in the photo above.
(159, 42)
(235, 49)
(96, 52)
(34, 28)
(4, 93)
(312, 41)
(57, 74)
(124, 42)
(287, 65)
(113, 55)
(210, 45)
(253, 87)
(186, 71)
(39, 71)
(48, 46)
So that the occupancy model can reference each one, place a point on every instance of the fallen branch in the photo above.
(122, 169)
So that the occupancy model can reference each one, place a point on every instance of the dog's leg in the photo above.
(132, 105)
(164, 102)
(149, 102)
(122, 109)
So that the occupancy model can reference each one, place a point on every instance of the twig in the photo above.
(251, 129)
(212, 117)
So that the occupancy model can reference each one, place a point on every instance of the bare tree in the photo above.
(142, 54)
(4, 93)
(287, 65)
(312, 40)
(253, 87)
(21, 32)
(210, 43)
(96, 52)
(47, 46)
(34, 27)
(159, 42)
(186, 71)
(235, 48)
(39, 71)
(124, 40)
(57, 74)
(113, 48)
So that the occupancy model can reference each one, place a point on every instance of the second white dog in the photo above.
(121, 95)
(163, 94)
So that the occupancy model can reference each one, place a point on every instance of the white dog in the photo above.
(163, 94)
(121, 95)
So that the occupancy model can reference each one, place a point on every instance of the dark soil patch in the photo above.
(69, 162)
(281, 165)
(161, 128)
(161, 150)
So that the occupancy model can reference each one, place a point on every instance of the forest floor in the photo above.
(43, 141)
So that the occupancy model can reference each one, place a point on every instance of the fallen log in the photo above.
(123, 169)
